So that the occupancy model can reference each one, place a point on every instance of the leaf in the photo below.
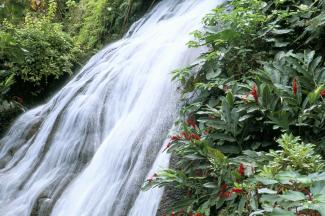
(286, 177)
(210, 185)
(230, 149)
(266, 191)
(183, 204)
(244, 117)
(318, 207)
(293, 196)
(222, 136)
(254, 202)
(281, 212)
(308, 57)
(213, 74)
(266, 181)
(259, 212)
(215, 153)
(281, 31)
(241, 204)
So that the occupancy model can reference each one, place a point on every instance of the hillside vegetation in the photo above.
(44, 41)
(251, 140)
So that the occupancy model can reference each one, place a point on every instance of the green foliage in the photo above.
(294, 156)
(43, 41)
(33, 53)
(283, 182)
(96, 22)
(46, 50)
(13, 10)
(262, 76)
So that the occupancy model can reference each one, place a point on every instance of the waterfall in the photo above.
(88, 150)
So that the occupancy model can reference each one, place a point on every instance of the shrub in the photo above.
(43, 50)
(262, 76)
(275, 183)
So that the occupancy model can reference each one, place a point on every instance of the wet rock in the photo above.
(44, 206)
(171, 194)
(4, 161)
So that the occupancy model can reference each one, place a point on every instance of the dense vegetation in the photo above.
(251, 141)
(43, 41)
(251, 136)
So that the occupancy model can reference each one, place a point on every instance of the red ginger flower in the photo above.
(224, 187)
(191, 122)
(254, 93)
(195, 136)
(226, 195)
(322, 93)
(237, 190)
(175, 138)
(223, 193)
(186, 136)
(294, 87)
(241, 170)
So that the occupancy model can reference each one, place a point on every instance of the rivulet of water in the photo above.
(89, 149)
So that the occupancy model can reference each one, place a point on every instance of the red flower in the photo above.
(322, 93)
(226, 195)
(254, 93)
(198, 214)
(175, 138)
(224, 187)
(186, 136)
(191, 122)
(195, 136)
(223, 193)
(241, 170)
(294, 87)
(237, 190)
(173, 213)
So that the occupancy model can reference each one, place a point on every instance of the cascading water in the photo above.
(90, 148)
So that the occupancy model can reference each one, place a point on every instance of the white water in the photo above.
(90, 148)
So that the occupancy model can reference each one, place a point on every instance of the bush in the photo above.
(275, 183)
(261, 77)
(94, 23)
(45, 51)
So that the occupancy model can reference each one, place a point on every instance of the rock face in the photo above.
(7, 116)
(171, 194)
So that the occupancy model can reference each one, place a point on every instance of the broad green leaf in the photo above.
(281, 212)
(210, 185)
(293, 196)
(266, 191)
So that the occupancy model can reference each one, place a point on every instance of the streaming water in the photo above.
(89, 149)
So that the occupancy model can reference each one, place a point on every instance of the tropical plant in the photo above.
(261, 76)
(44, 51)
(255, 183)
